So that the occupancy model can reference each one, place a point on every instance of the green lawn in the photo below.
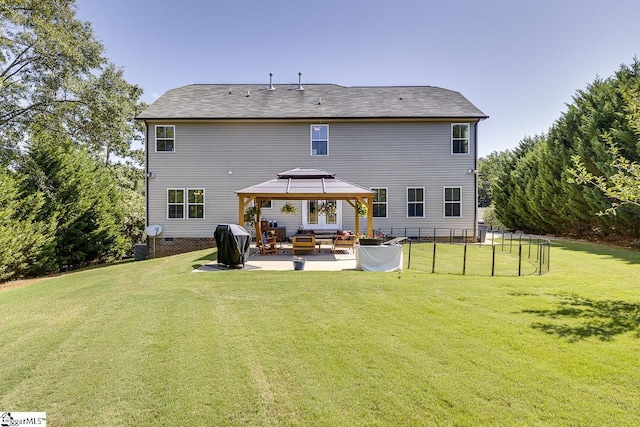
(152, 343)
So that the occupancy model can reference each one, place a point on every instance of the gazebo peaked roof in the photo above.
(306, 184)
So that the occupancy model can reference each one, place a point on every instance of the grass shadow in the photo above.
(205, 259)
(587, 318)
(628, 255)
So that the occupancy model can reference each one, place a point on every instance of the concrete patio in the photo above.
(323, 260)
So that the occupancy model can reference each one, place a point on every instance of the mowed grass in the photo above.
(151, 343)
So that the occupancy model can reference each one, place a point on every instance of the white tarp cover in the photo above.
(379, 258)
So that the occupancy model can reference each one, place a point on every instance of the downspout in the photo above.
(475, 177)
(146, 174)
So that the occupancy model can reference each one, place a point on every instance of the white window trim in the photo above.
(186, 203)
(468, 138)
(155, 138)
(386, 189)
(184, 197)
(444, 202)
(424, 204)
(311, 141)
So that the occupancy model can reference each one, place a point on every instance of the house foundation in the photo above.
(177, 245)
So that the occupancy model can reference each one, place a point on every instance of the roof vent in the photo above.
(271, 86)
(248, 93)
(319, 100)
(299, 82)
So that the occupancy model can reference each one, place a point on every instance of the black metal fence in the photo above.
(421, 234)
(466, 252)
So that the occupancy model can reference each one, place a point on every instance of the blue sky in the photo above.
(519, 62)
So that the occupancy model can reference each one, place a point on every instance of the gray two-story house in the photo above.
(415, 147)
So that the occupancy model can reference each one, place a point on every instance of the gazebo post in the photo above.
(357, 218)
(241, 211)
(370, 216)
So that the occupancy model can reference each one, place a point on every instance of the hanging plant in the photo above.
(251, 215)
(288, 209)
(361, 209)
(328, 209)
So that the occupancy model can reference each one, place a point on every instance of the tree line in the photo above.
(71, 183)
(581, 178)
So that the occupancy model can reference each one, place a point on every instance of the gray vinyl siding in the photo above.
(391, 155)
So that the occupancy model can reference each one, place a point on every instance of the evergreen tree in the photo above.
(26, 238)
(84, 198)
(537, 191)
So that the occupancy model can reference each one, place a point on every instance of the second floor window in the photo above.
(319, 140)
(165, 138)
(460, 138)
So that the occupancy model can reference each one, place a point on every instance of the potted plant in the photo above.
(289, 209)
(298, 263)
(374, 240)
(328, 209)
(361, 209)
(251, 215)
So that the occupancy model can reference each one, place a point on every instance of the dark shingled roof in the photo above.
(330, 101)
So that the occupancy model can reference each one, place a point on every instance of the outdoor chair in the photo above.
(267, 244)
(344, 241)
(303, 243)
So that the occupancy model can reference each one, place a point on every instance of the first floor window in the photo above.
(175, 203)
(460, 138)
(195, 203)
(165, 138)
(452, 202)
(319, 140)
(415, 202)
(380, 203)
(185, 204)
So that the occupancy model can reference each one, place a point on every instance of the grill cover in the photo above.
(233, 244)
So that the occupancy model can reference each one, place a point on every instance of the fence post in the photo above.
(464, 260)
(520, 260)
(434, 234)
(419, 234)
(548, 255)
(503, 234)
(493, 260)
(529, 247)
(433, 263)
(540, 260)
(409, 260)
